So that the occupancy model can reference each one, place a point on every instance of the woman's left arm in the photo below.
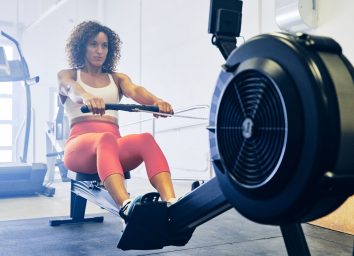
(140, 94)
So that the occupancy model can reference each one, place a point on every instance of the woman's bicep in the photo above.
(126, 85)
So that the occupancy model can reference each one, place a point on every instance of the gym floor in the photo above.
(227, 234)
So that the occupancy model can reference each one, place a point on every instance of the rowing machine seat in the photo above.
(87, 187)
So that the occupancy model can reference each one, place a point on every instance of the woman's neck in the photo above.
(92, 70)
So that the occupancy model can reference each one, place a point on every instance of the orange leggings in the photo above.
(98, 147)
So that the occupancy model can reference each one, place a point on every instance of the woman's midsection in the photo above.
(104, 118)
(93, 127)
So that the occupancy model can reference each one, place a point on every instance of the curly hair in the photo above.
(78, 40)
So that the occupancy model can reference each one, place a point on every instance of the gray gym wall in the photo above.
(167, 49)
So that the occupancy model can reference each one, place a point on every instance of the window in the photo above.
(6, 108)
(6, 88)
(5, 156)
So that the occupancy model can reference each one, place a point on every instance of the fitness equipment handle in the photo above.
(125, 107)
(27, 78)
(9, 37)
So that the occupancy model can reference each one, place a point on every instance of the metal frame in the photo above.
(85, 187)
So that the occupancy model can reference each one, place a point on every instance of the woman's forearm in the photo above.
(77, 93)
(73, 90)
(143, 96)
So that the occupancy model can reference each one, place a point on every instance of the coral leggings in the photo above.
(98, 147)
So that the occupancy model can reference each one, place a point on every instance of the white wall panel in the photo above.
(336, 20)
(180, 65)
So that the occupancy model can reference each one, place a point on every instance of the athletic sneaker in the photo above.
(172, 201)
(128, 208)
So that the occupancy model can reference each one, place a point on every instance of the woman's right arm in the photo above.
(68, 87)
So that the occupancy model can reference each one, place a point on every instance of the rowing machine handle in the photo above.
(125, 107)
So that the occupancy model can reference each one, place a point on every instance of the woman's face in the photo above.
(97, 50)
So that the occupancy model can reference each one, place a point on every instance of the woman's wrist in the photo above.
(85, 96)
(158, 100)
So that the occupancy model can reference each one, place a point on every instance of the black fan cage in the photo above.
(252, 129)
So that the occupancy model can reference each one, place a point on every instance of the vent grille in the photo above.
(251, 129)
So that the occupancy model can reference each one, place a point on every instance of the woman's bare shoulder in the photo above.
(119, 75)
(68, 73)
(120, 78)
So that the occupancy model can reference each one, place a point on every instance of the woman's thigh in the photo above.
(80, 153)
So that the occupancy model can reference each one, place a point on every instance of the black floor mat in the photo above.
(228, 234)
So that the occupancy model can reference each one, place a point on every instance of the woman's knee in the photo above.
(147, 138)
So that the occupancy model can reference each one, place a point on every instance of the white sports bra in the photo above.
(109, 93)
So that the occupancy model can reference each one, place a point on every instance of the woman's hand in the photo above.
(94, 103)
(164, 107)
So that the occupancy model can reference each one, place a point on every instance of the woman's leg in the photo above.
(98, 152)
(116, 188)
(137, 148)
(163, 184)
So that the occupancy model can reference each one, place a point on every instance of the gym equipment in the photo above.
(56, 134)
(281, 127)
(87, 187)
(124, 107)
(281, 135)
(259, 186)
(4, 65)
(153, 225)
(281, 131)
(144, 109)
(22, 178)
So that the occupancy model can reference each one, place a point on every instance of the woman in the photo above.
(95, 144)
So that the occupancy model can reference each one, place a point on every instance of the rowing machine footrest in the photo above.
(147, 228)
